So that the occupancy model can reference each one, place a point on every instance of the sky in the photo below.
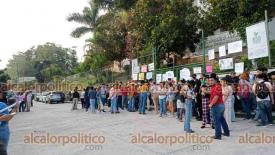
(26, 23)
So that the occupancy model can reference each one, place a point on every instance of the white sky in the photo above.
(25, 23)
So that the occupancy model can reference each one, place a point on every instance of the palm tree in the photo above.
(88, 18)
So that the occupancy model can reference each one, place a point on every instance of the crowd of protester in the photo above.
(209, 99)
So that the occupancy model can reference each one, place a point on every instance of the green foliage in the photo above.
(170, 25)
(234, 15)
(88, 19)
(247, 63)
(44, 62)
(4, 76)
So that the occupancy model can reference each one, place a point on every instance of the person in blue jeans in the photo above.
(188, 106)
(264, 97)
(143, 92)
(217, 108)
(162, 99)
(113, 97)
(5, 117)
(92, 97)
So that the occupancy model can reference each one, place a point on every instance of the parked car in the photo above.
(43, 97)
(55, 97)
(37, 97)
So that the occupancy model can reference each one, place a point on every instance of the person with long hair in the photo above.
(227, 93)
(171, 98)
(188, 107)
(205, 106)
(162, 99)
(154, 88)
(243, 94)
(113, 97)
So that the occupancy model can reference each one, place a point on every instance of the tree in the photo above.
(116, 4)
(88, 18)
(233, 15)
(170, 25)
(43, 61)
(4, 77)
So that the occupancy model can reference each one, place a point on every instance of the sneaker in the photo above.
(203, 126)
(260, 124)
(191, 131)
(218, 138)
(226, 134)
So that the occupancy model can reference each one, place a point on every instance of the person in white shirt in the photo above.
(29, 100)
(155, 95)
(82, 96)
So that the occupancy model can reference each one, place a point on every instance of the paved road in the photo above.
(119, 132)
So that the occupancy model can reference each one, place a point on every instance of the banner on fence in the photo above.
(239, 67)
(235, 47)
(211, 54)
(149, 75)
(226, 64)
(222, 51)
(197, 70)
(151, 67)
(209, 69)
(257, 41)
(158, 78)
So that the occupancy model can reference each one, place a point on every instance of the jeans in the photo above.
(246, 107)
(131, 105)
(265, 108)
(219, 120)
(143, 102)
(22, 106)
(4, 136)
(87, 103)
(188, 115)
(114, 105)
(124, 101)
(103, 101)
(92, 105)
(233, 116)
(162, 106)
(75, 101)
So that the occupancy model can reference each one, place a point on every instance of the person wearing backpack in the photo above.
(243, 94)
(263, 91)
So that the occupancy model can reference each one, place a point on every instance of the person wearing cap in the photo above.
(217, 107)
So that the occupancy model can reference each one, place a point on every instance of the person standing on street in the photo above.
(263, 91)
(82, 96)
(217, 108)
(5, 117)
(29, 100)
(76, 97)
(87, 99)
(92, 97)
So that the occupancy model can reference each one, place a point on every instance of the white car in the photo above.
(43, 98)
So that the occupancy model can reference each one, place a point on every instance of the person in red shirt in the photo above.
(124, 93)
(217, 107)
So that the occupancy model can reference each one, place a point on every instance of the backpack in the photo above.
(262, 90)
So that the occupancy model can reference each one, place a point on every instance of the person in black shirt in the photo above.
(76, 97)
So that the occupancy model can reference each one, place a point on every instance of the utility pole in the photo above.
(203, 52)
(267, 35)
